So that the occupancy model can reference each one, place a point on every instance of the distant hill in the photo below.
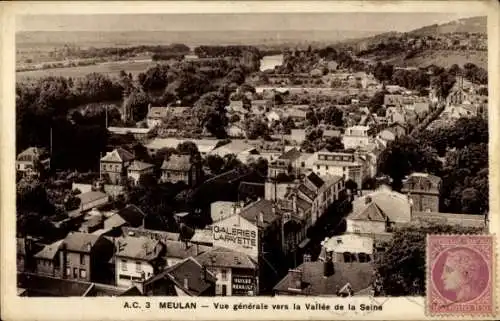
(466, 25)
(455, 42)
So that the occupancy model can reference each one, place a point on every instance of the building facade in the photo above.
(114, 165)
(424, 191)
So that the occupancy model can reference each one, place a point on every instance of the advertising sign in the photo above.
(237, 234)
(243, 285)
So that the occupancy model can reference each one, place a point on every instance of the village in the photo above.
(295, 198)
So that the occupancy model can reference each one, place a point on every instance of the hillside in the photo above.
(455, 42)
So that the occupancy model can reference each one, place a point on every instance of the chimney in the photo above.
(62, 260)
(261, 217)
(296, 279)
(328, 268)
(89, 246)
(186, 284)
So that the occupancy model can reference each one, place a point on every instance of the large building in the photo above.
(356, 136)
(137, 259)
(181, 168)
(114, 165)
(237, 273)
(346, 165)
(424, 190)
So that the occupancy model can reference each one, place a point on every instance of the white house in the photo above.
(356, 136)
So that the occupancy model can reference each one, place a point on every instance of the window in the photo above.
(68, 271)
(224, 274)
(224, 290)
(124, 265)
(82, 259)
(75, 273)
(317, 166)
(326, 167)
(83, 274)
(138, 266)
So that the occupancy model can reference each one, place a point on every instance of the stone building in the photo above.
(424, 191)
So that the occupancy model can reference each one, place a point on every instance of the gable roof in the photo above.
(315, 180)
(292, 154)
(54, 287)
(79, 242)
(118, 155)
(132, 215)
(49, 251)
(113, 221)
(371, 212)
(137, 247)
(223, 257)
(182, 250)
(192, 271)
(307, 192)
(251, 213)
(31, 154)
(139, 166)
(91, 196)
(177, 163)
(358, 275)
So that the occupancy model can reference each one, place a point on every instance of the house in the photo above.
(180, 250)
(421, 108)
(236, 273)
(332, 133)
(180, 168)
(236, 131)
(340, 164)
(395, 115)
(297, 113)
(48, 260)
(162, 236)
(156, 116)
(424, 191)
(138, 169)
(377, 212)
(186, 278)
(397, 128)
(332, 66)
(137, 258)
(114, 165)
(356, 136)
(129, 216)
(455, 112)
(386, 136)
(347, 248)
(30, 160)
(92, 224)
(327, 279)
(220, 210)
(273, 116)
(85, 257)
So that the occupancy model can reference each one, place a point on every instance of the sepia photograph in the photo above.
(254, 154)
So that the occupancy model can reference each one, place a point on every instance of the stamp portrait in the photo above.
(460, 278)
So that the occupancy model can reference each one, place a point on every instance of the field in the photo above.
(111, 69)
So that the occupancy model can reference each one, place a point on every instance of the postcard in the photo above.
(221, 160)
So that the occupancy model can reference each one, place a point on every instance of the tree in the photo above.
(402, 266)
(351, 185)
(376, 102)
(334, 116)
(188, 148)
(334, 144)
(215, 163)
(137, 102)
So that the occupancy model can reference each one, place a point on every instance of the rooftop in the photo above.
(118, 155)
(139, 166)
(138, 247)
(190, 271)
(177, 163)
(263, 208)
(50, 251)
(91, 196)
(313, 283)
(80, 242)
(223, 257)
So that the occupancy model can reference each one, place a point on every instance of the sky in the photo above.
(219, 22)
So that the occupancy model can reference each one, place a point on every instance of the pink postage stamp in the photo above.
(460, 278)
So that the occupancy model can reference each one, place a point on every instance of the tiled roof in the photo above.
(303, 204)
(49, 251)
(140, 248)
(152, 234)
(113, 221)
(177, 163)
(292, 155)
(393, 205)
(46, 286)
(118, 155)
(421, 178)
(371, 212)
(139, 166)
(78, 242)
(315, 180)
(306, 191)
(253, 211)
(132, 215)
(358, 275)
(31, 154)
(91, 196)
(223, 257)
(182, 250)
(192, 271)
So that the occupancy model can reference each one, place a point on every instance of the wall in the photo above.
(47, 267)
(173, 176)
(281, 190)
(84, 188)
(236, 233)
(125, 268)
(359, 226)
(425, 202)
(73, 261)
(217, 271)
(114, 170)
(355, 141)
